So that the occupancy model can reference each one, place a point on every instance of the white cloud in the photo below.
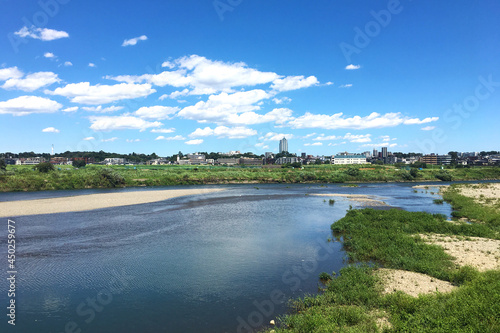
(156, 112)
(168, 64)
(224, 132)
(43, 34)
(50, 130)
(203, 76)
(313, 144)
(338, 120)
(84, 93)
(307, 136)
(91, 64)
(348, 85)
(24, 105)
(49, 55)
(328, 83)
(194, 142)
(428, 128)
(170, 138)
(133, 140)
(271, 136)
(385, 138)
(283, 100)
(133, 41)
(294, 82)
(10, 73)
(32, 82)
(378, 145)
(174, 95)
(70, 109)
(110, 139)
(110, 123)
(68, 63)
(163, 130)
(100, 109)
(322, 137)
(352, 67)
(358, 138)
(89, 138)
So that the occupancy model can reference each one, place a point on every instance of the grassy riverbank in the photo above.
(25, 178)
(355, 301)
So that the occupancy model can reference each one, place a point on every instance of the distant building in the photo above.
(303, 155)
(284, 160)
(375, 153)
(268, 154)
(429, 159)
(444, 159)
(283, 145)
(384, 152)
(197, 159)
(348, 159)
(228, 161)
(251, 161)
(30, 161)
(114, 161)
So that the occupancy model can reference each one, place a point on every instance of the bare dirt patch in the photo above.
(484, 194)
(366, 200)
(411, 283)
(480, 253)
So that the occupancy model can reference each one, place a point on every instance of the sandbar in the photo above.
(92, 201)
(367, 200)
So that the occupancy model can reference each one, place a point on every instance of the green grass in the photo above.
(25, 178)
(353, 302)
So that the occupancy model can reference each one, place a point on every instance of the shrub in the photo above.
(110, 178)
(324, 276)
(445, 176)
(414, 173)
(44, 167)
(79, 164)
(331, 201)
(3, 165)
(352, 171)
(438, 201)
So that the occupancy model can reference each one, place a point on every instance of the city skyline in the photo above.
(369, 76)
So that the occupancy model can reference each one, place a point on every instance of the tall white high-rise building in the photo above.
(283, 145)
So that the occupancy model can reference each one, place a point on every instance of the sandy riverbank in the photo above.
(91, 201)
(366, 200)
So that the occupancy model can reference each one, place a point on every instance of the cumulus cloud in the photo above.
(163, 130)
(110, 123)
(84, 93)
(322, 137)
(174, 95)
(352, 67)
(31, 82)
(283, 100)
(203, 76)
(49, 55)
(272, 136)
(10, 73)
(170, 138)
(338, 120)
(348, 85)
(224, 132)
(133, 41)
(133, 140)
(25, 105)
(313, 144)
(50, 130)
(68, 63)
(428, 128)
(110, 139)
(358, 138)
(194, 142)
(294, 82)
(70, 109)
(378, 145)
(157, 112)
(43, 34)
(100, 109)
(91, 64)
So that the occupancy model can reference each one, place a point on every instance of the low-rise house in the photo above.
(349, 159)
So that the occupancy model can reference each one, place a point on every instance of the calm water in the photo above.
(220, 262)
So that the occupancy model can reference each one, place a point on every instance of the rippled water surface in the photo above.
(219, 262)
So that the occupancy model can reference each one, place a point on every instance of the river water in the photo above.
(219, 262)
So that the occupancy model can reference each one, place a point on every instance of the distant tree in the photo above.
(414, 172)
(44, 167)
(353, 171)
(419, 165)
(79, 164)
(3, 165)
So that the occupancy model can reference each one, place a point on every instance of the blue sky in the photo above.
(163, 76)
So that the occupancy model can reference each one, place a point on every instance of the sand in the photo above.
(411, 283)
(366, 200)
(480, 253)
(485, 194)
(91, 201)
(428, 186)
